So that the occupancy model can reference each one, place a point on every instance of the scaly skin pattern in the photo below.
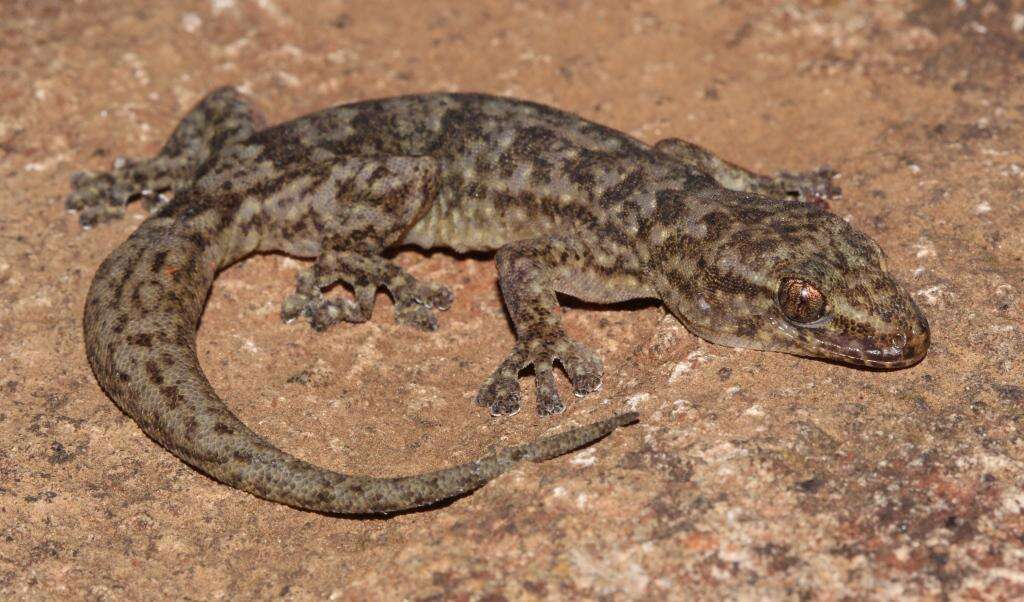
(570, 206)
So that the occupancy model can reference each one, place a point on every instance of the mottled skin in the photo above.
(570, 206)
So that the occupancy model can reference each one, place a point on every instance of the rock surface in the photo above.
(751, 474)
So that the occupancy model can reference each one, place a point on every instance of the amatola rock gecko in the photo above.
(568, 205)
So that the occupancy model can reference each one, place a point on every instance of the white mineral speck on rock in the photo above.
(924, 249)
(1017, 23)
(191, 22)
(219, 6)
(930, 295)
(694, 358)
(633, 402)
(584, 458)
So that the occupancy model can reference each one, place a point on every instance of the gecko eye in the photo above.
(801, 301)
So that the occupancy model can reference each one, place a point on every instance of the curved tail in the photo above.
(140, 322)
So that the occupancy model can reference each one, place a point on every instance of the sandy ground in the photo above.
(751, 474)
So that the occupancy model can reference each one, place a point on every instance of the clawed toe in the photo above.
(416, 315)
(428, 294)
(816, 187)
(294, 306)
(439, 297)
(500, 396)
(583, 367)
(548, 401)
(415, 302)
(500, 393)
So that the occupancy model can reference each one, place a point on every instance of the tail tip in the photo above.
(625, 419)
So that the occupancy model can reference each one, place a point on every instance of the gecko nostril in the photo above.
(898, 340)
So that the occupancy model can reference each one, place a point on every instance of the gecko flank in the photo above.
(570, 206)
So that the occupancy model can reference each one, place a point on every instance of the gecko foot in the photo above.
(815, 187)
(100, 197)
(322, 312)
(500, 393)
(414, 303)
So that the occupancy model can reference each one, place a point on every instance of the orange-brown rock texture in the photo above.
(750, 475)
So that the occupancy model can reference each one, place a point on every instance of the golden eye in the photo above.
(801, 301)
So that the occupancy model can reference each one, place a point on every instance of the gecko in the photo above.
(567, 206)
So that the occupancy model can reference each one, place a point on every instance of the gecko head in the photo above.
(790, 277)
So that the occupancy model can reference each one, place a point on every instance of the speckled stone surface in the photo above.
(751, 474)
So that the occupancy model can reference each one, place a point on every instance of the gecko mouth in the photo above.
(902, 349)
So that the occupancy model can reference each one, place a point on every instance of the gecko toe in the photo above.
(88, 189)
(440, 297)
(294, 305)
(428, 294)
(583, 367)
(501, 397)
(548, 401)
(415, 315)
(93, 215)
(506, 407)
(500, 392)
(816, 187)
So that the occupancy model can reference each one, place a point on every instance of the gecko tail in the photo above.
(419, 490)
(140, 322)
(272, 474)
(553, 446)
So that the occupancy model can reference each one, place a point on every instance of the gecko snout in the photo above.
(906, 347)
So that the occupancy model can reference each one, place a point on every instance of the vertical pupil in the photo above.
(803, 301)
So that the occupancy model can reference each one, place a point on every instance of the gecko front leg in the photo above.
(530, 271)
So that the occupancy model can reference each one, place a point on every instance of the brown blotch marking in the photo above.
(223, 429)
(748, 327)
(155, 375)
(728, 282)
(125, 277)
(716, 222)
(621, 191)
(158, 261)
(141, 339)
(172, 397)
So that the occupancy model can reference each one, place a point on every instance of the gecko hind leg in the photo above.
(365, 271)
(385, 198)
(815, 187)
(220, 119)
(530, 271)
